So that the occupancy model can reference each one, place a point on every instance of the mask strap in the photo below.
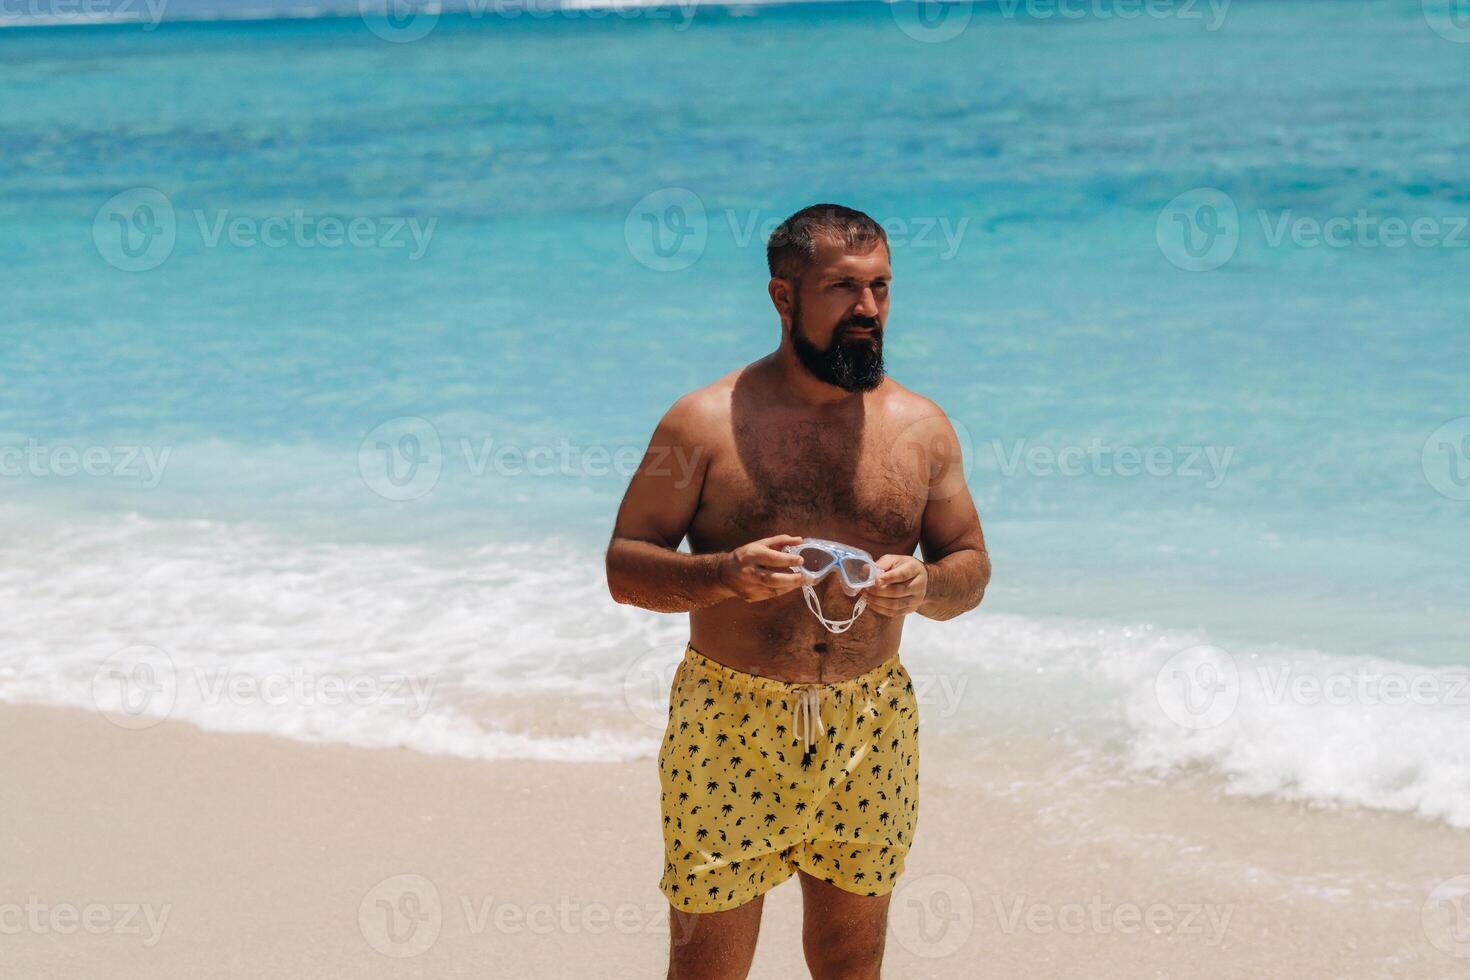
(833, 625)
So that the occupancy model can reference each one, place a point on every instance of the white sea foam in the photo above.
(234, 629)
(1278, 721)
(516, 651)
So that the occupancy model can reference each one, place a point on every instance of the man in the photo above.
(811, 441)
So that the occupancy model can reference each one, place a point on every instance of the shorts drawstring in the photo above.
(806, 715)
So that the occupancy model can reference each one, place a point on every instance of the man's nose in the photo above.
(867, 304)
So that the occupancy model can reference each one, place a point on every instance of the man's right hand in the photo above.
(761, 570)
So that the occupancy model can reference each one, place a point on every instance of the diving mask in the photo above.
(854, 567)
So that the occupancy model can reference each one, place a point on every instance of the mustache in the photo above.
(860, 323)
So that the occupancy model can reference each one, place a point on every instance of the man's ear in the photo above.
(781, 295)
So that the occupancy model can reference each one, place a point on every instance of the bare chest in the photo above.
(801, 477)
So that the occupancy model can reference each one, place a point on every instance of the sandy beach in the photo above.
(172, 852)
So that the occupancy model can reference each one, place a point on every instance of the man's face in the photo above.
(838, 310)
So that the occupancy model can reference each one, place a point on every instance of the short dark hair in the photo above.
(791, 248)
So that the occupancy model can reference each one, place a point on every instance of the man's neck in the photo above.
(795, 382)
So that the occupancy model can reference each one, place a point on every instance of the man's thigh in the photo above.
(714, 945)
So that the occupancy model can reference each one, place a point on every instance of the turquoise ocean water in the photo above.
(328, 347)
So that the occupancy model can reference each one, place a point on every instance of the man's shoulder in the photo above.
(921, 431)
(905, 406)
(699, 413)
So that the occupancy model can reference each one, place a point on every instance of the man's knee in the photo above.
(839, 952)
(713, 946)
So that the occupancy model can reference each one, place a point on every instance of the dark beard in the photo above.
(852, 366)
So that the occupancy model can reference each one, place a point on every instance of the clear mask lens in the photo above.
(858, 573)
(816, 561)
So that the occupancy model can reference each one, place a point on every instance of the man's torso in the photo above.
(855, 473)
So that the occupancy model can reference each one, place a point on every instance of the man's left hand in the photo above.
(901, 588)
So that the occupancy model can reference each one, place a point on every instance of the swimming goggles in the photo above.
(854, 567)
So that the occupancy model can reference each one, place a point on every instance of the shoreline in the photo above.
(176, 852)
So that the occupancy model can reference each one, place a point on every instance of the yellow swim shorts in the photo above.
(760, 777)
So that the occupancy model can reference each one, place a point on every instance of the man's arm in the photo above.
(956, 567)
(645, 567)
